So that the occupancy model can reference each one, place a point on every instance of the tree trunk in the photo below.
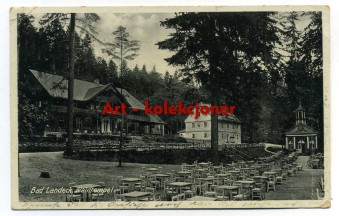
(121, 117)
(214, 128)
(70, 108)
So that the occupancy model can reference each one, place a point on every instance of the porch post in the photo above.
(308, 142)
(286, 142)
(316, 142)
(294, 147)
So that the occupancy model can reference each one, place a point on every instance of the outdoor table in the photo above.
(257, 180)
(162, 178)
(136, 195)
(246, 184)
(131, 180)
(234, 173)
(270, 174)
(184, 174)
(245, 170)
(315, 163)
(265, 166)
(217, 169)
(202, 172)
(179, 185)
(209, 181)
(152, 169)
(242, 164)
(190, 167)
(229, 190)
(223, 175)
(85, 188)
(204, 165)
(277, 171)
(201, 198)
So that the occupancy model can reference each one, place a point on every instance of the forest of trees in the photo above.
(269, 66)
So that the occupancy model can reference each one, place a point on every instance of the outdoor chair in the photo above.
(117, 195)
(154, 195)
(279, 180)
(122, 186)
(271, 184)
(178, 197)
(175, 198)
(202, 188)
(220, 195)
(244, 195)
(258, 193)
(191, 193)
(228, 182)
(212, 192)
(154, 183)
(99, 194)
(141, 186)
(284, 175)
(74, 196)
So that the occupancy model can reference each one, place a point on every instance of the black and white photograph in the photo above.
(170, 107)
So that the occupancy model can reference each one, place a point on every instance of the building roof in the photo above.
(224, 118)
(131, 100)
(301, 129)
(57, 85)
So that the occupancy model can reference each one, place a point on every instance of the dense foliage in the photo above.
(261, 62)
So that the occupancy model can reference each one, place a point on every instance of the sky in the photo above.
(146, 28)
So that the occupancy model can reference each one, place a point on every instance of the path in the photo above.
(299, 187)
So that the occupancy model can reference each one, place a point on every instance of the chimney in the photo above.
(96, 81)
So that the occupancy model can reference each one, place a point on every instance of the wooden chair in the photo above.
(74, 196)
(117, 195)
(154, 195)
(220, 195)
(98, 193)
(271, 184)
(258, 193)
(279, 180)
(192, 192)
(212, 192)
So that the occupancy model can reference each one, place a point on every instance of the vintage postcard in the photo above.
(170, 107)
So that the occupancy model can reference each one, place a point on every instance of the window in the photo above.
(106, 123)
(233, 126)
(198, 124)
(237, 136)
(222, 135)
(222, 125)
(92, 106)
(227, 125)
(78, 122)
(205, 124)
(193, 135)
(193, 125)
(205, 135)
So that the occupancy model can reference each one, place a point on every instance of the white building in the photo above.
(200, 129)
